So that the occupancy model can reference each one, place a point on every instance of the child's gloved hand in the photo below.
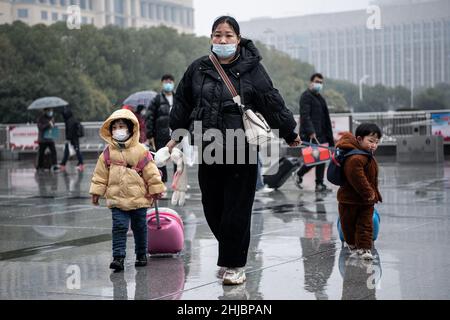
(157, 196)
(95, 199)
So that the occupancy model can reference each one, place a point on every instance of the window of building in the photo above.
(167, 13)
(53, 2)
(64, 17)
(118, 6)
(119, 21)
(152, 11)
(73, 2)
(62, 3)
(84, 20)
(22, 13)
(173, 16)
(133, 11)
(54, 16)
(83, 4)
(144, 9)
(42, 1)
(159, 12)
(91, 6)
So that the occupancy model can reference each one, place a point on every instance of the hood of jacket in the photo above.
(348, 142)
(67, 113)
(121, 114)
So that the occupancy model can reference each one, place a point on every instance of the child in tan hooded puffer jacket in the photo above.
(128, 178)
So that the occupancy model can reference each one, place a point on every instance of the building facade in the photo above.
(178, 14)
(409, 47)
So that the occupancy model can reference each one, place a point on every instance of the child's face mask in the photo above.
(120, 134)
(120, 131)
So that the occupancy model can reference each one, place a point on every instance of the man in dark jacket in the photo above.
(315, 126)
(158, 132)
(72, 138)
(45, 123)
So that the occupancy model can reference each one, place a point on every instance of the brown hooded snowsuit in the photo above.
(358, 195)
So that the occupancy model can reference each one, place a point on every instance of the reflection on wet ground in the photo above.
(55, 245)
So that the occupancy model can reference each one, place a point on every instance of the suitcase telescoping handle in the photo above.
(158, 223)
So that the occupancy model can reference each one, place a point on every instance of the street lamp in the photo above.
(360, 86)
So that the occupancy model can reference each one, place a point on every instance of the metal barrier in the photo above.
(394, 125)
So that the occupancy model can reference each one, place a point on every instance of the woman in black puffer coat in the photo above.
(228, 190)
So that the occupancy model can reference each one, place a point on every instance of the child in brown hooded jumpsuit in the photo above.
(359, 194)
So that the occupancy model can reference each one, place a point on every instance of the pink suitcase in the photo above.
(165, 231)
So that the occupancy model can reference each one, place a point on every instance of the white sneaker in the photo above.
(265, 190)
(233, 276)
(221, 272)
(366, 254)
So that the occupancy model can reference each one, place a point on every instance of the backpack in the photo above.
(335, 171)
(138, 168)
(80, 130)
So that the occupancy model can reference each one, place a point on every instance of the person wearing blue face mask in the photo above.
(315, 126)
(157, 122)
(228, 188)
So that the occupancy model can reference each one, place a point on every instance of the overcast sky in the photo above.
(207, 10)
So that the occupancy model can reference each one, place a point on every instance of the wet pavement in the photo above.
(55, 245)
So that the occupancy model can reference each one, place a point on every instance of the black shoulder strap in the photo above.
(356, 151)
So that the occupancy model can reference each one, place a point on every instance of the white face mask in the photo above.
(120, 134)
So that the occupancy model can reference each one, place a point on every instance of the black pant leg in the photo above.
(303, 170)
(66, 154)
(320, 171)
(41, 152)
(239, 194)
(76, 146)
(51, 145)
(164, 173)
(210, 179)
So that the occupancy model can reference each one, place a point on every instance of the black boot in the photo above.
(320, 187)
(141, 260)
(298, 181)
(117, 264)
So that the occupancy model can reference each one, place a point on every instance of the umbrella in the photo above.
(141, 97)
(47, 102)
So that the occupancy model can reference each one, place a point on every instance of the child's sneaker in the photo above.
(366, 254)
(233, 276)
(117, 264)
(141, 260)
(356, 253)
(351, 249)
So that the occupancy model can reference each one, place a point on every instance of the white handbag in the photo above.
(257, 130)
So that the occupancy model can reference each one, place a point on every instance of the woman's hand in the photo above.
(296, 142)
(171, 144)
